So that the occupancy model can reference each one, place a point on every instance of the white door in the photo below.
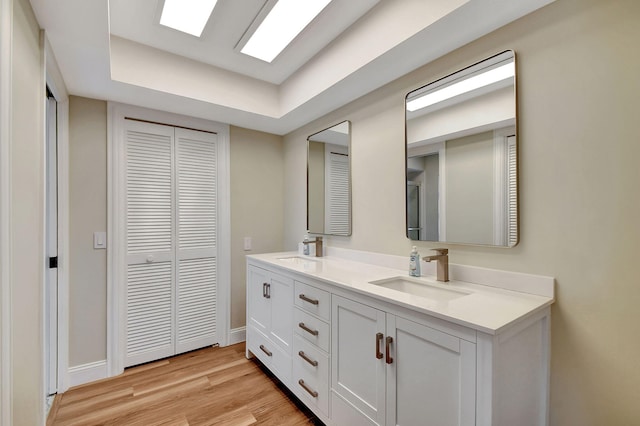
(170, 203)
(357, 362)
(51, 278)
(259, 308)
(196, 295)
(432, 376)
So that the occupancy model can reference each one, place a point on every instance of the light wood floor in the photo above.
(212, 386)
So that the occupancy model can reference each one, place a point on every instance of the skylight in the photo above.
(188, 16)
(486, 78)
(283, 23)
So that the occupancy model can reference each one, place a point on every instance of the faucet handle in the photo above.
(441, 251)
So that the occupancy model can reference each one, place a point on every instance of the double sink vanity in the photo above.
(359, 341)
(364, 344)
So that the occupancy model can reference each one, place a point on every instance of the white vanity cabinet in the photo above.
(358, 355)
(388, 370)
(270, 319)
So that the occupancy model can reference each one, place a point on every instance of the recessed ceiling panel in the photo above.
(139, 21)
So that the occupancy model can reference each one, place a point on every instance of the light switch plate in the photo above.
(247, 243)
(99, 240)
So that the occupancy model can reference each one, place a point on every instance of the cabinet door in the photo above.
(280, 295)
(432, 376)
(358, 371)
(259, 309)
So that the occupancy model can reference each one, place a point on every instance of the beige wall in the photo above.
(257, 200)
(316, 178)
(578, 65)
(87, 214)
(469, 189)
(27, 216)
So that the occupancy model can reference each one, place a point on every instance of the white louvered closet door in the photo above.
(197, 239)
(171, 240)
(149, 241)
(338, 206)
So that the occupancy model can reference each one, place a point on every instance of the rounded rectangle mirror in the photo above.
(462, 156)
(329, 181)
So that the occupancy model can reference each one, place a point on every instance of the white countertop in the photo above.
(485, 308)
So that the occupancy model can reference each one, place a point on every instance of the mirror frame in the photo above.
(350, 202)
(441, 82)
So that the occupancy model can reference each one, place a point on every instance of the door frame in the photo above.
(56, 85)
(6, 379)
(116, 294)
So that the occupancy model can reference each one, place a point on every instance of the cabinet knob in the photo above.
(150, 258)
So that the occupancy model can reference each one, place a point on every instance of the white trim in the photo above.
(87, 373)
(116, 300)
(6, 373)
(237, 335)
(499, 188)
(63, 245)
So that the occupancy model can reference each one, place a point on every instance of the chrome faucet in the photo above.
(442, 269)
(318, 243)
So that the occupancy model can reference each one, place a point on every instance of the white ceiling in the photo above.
(116, 50)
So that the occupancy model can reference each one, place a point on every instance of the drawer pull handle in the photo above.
(265, 350)
(309, 390)
(378, 342)
(389, 340)
(306, 358)
(307, 299)
(307, 329)
(268, 294)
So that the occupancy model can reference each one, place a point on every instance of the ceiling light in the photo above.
(486, 78)
(283, 23)
(188, 16)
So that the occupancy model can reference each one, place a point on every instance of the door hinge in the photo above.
(53, 262)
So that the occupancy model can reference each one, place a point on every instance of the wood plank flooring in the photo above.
(211, 386)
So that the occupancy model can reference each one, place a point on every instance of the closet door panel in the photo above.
(196, 239)
(149, 242)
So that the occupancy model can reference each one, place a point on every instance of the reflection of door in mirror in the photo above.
(462, 156)
(329, 181)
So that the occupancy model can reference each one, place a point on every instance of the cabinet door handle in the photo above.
(307, 329)
(307, 299)
(265, 350)
(389, 340)
(264, 289)
(268, 296)
(306, 358)
(378, 342)
(307, 388)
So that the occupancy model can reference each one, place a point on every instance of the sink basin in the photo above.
(298, 260)
(421, 288)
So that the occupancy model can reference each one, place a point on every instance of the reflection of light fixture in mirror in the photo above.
(481, 80)
(283, 23)
(188, 16)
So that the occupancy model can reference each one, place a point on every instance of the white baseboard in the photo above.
(86, 373)
(237, 335)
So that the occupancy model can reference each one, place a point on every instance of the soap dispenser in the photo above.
(414, 263)
(305, 245)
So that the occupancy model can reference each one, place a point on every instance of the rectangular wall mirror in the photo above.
(329, 181)
(462, 156)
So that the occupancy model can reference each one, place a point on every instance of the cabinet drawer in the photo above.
(313, 300)
(311, 328)
(309, 389)
(305, 355)
(269, 354)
